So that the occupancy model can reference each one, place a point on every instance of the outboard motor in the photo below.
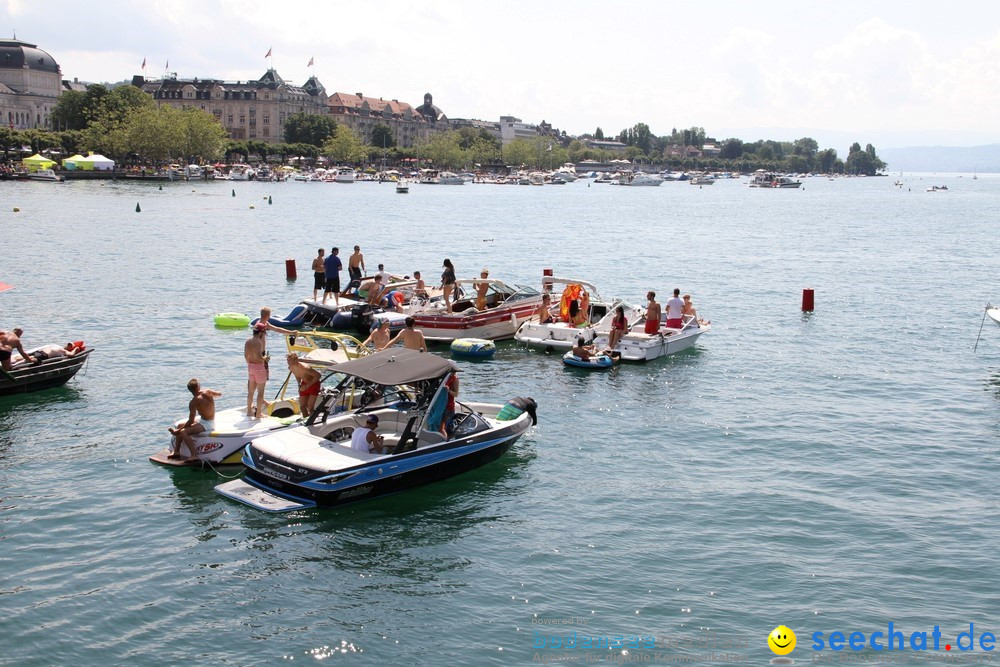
(515, 407)
(362, 318)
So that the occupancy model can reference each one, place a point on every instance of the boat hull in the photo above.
(46, 375)
(638, 346)
(379, 479)
(488, 324)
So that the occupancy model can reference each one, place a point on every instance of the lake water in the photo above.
(826, 471)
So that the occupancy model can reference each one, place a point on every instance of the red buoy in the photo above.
(547, 272)
(290, 269)
(807, 300)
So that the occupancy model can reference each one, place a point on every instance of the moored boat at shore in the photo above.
(52, 372)
(765, 179)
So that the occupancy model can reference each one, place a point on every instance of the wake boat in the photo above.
(52, 372)
(506, 308)
(639, 346)
(313, 463)
(234, 429)
(559, 334)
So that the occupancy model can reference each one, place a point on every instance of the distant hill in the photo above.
(943, 158)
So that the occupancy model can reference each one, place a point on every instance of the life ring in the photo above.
(477, 348)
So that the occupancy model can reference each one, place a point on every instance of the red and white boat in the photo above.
(506, 308)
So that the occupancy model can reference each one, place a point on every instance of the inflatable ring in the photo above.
(598, 362)
(232, 320)
(476, 348)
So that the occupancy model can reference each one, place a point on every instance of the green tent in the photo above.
(36, 162)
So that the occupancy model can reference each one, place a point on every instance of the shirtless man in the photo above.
(412, 339)
(51, 351)
(379, 337)
(356, 264)
(201, 418)
(583, 351)
(675, 308)
(375, 291)
(652, 314)
(308, 378)
(10, 341)
(319, 273)
(255, 354)
(420, 289)
(544, 314)
(481, 289)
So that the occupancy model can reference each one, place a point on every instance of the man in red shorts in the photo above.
(308, 378)
(652, 314)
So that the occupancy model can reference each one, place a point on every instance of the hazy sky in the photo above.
(889, 73)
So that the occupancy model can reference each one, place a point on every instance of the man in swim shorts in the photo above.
(253, 352)
(319, 273)
(675, 310)
(10, 341)
(201, 418)
(356, 264)
(652, 314)
(309, 383)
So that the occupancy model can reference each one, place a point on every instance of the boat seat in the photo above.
(428, 437)
(408, 440)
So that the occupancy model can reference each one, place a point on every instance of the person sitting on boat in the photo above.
(619, 327)
(690, 314)
(379, 337)
(652, 314)
(675, 309)
(420, 289)
(577, 316)
(10, 341)
(582, 351)
(412, 339)
(365, 440)
(201, 418)
(544, 314)
(481, 289)
(309, 383)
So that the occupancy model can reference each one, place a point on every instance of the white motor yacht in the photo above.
(640, 178)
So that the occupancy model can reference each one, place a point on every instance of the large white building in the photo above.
(30, 83)
(512, 128)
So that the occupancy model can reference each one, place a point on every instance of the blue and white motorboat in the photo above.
(314, 463)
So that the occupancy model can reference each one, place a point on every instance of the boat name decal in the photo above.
(357, 491)
(209, 447)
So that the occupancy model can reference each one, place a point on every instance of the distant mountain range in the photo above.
(984, 159)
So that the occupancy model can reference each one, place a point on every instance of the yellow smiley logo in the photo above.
(781, 640)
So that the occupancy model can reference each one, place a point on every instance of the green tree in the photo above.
(633, 152)
(826, 160)
(344, 146)
(731, 149)
(599, 134)
(444, 150)
(309, 128)
(203, 136)
(69, 112)
(520, 152)
(154, 133)
(381, 137)
(641, 137)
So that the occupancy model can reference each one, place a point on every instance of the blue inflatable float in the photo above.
(594, 363)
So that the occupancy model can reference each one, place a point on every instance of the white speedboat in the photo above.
(406, 391)
(402, 186)
(429, 177)
(765, 179)
(559, 334)
(344, 175)
(639, 346)
(234, 429)
(46, 175)
(506, 308)
(640, 178)
(994, 313)
(450, 178)
(241, 172)
(705, 179)
(567, 172)
(536, 178)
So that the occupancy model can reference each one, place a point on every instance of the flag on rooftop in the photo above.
(144, 64)
(268, 53)
(311, 61)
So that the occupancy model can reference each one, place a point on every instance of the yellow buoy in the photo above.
(252, 206)
(17, 210)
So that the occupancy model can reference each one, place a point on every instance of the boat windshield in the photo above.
(522, 292)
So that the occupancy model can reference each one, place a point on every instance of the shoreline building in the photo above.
(251, 110)
(30, 84)
(512, 128)
(362, 114)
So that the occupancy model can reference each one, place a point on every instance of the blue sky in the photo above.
(889, 73)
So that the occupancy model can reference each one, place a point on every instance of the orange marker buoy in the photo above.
(290, 269)
(807, 300)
